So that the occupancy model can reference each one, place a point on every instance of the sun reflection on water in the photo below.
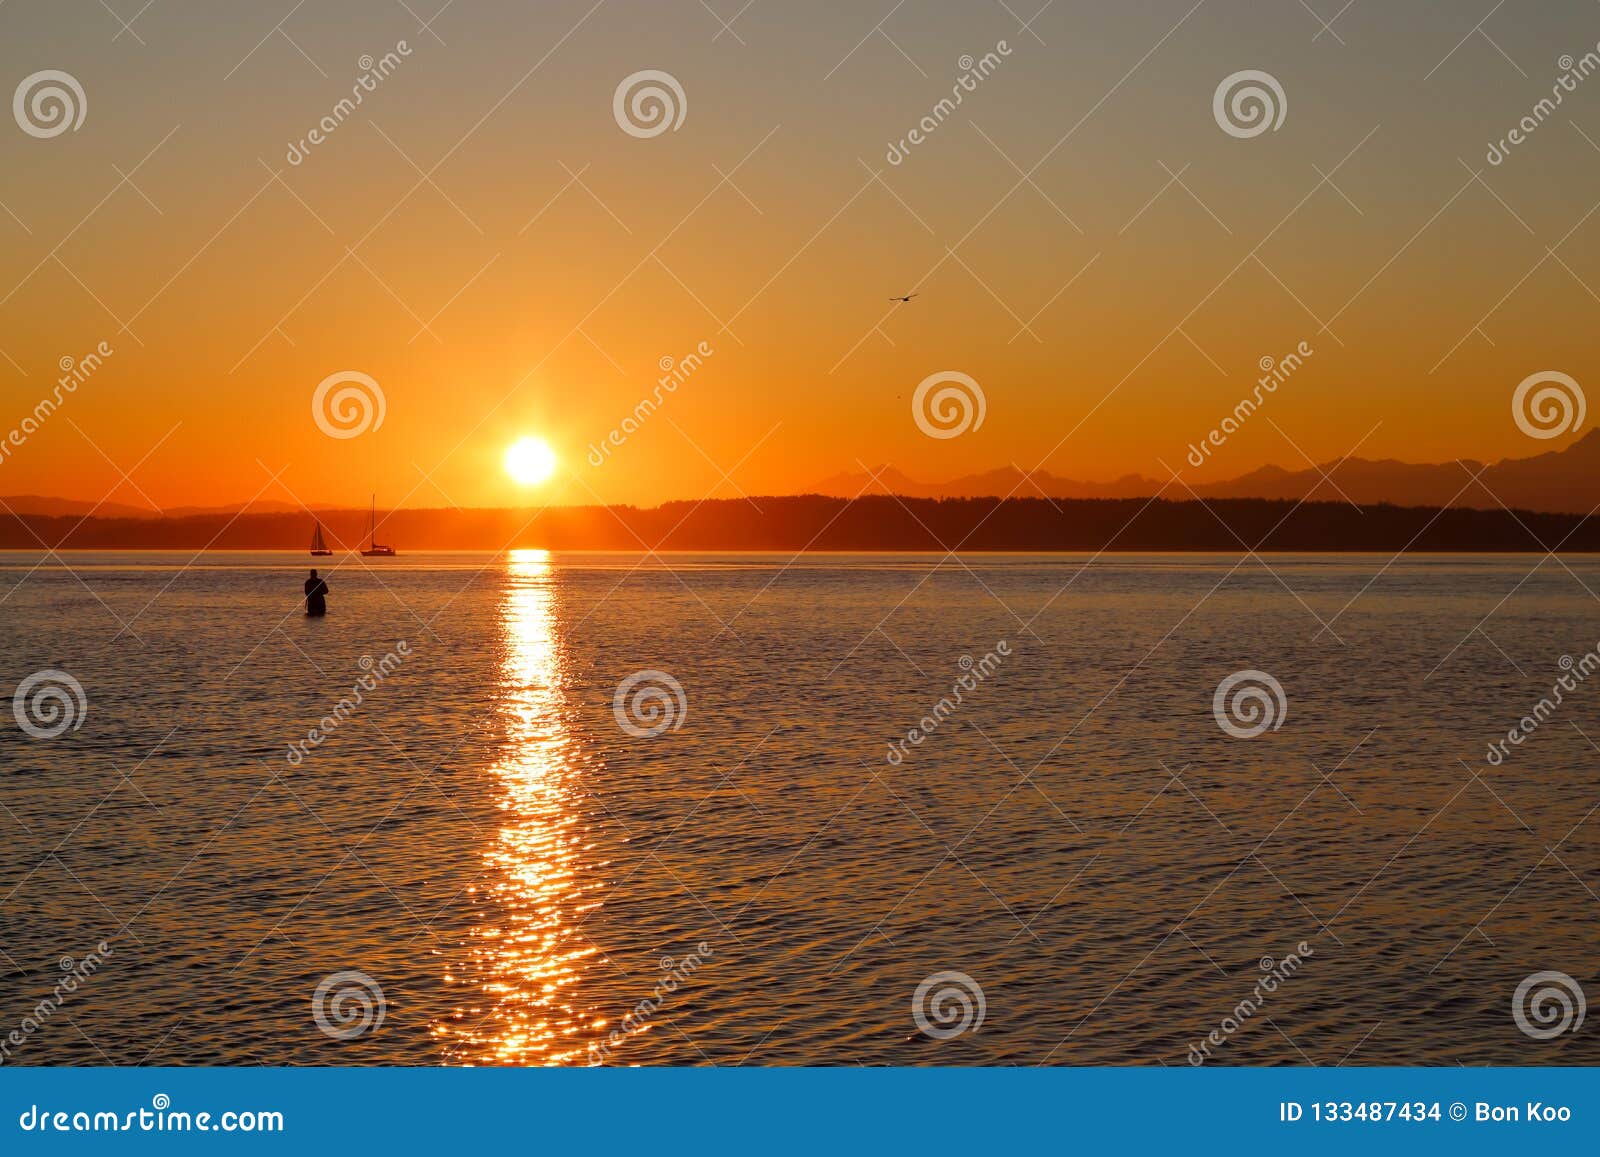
(527, 954)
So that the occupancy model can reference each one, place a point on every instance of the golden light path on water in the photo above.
(527, 954)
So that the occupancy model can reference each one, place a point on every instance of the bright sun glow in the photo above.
(530, 461)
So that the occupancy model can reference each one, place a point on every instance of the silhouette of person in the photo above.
(316, 595)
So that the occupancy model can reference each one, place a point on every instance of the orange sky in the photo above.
(532, 282)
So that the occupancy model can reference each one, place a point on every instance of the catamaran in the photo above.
(319, 548)
(374, 547)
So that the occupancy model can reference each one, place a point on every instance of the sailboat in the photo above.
(319, 549)
(374, 547)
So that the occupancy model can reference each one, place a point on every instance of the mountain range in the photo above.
(1565, 481)
(77, 508)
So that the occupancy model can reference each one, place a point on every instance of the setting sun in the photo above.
(530, 461)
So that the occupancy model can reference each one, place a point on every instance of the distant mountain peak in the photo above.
(1564, 480)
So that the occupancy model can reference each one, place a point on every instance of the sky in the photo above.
(485, 241)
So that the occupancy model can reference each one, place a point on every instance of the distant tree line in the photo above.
(811, 522)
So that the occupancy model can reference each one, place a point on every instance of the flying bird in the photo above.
(907, 297)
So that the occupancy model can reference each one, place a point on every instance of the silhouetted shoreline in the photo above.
(873, 523)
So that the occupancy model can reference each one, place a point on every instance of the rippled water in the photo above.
(528, 882)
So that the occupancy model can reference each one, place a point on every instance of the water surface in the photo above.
(530, 883)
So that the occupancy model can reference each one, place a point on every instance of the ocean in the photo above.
(826, 810)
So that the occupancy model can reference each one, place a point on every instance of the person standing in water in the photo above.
(316, 595)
